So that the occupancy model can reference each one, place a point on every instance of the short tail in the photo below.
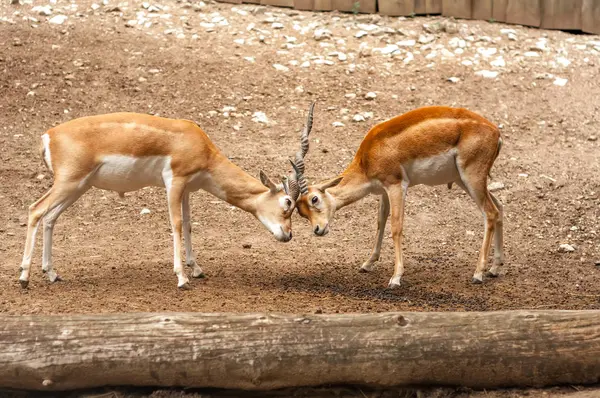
(496, 155)
(42, 151)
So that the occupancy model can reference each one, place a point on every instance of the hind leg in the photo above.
(69, 196)
(498, 240)
(49, 207)
(476, 186)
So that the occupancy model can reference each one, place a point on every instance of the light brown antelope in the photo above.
(125, 152)
(431, 145)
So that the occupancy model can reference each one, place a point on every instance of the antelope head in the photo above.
(313, 203)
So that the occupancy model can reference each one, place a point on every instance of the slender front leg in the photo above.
(175, 193)
(384, 212)
(397, 195)
(190, 257)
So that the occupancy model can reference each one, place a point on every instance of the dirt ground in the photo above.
(114, 259)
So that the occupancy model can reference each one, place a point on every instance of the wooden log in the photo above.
(434, 6)
(561, 14)
(524, 12)
(362, 6)
(499, 10)
(590, 16)
(457, 8)
(396, 7)
(268, 351)
(482, 10)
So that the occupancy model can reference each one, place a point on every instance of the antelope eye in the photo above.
(288, 203)
(315, 200)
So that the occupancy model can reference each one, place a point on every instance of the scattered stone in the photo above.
(566, 248)
(58, 19)
(370, 95)
(524, 175)
(260, 117)
(389, 49)
(322, 34)
(250, 59)
(488, 74)
(42, 10)
(487, 52)
(453, 79)
(495, 186)
(424, 39)
(360, 34)
(247, 246)
(305, 64)
(592, 138)
(277, 25)
(299, 90)
(338, 124)
(432, 28)
(406, 43)
(562, 61)
(145, 211)
(350, 95)
(532, 54)
(358, 118)
(560, 81)
(318, 311)
(498, 62)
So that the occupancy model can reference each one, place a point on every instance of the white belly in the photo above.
(435, 170)
(127, 173)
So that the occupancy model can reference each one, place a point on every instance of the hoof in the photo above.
(491, 274)
(23, 283)
(54, 278)
(364, 270)
(476, 281)
(201, 275)
(394, 283)
(185, 286)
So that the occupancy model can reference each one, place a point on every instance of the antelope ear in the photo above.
(268, 183)
(329, 184)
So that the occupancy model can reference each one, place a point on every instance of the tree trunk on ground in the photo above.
(260, 351)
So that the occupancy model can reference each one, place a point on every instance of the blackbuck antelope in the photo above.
(433, 146)
(125, 152)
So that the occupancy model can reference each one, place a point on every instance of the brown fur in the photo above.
(78, 149)
(379, 167)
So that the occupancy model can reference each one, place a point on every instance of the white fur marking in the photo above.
(122, 173)
(434, 170)
(47, 157)
(273, 227)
